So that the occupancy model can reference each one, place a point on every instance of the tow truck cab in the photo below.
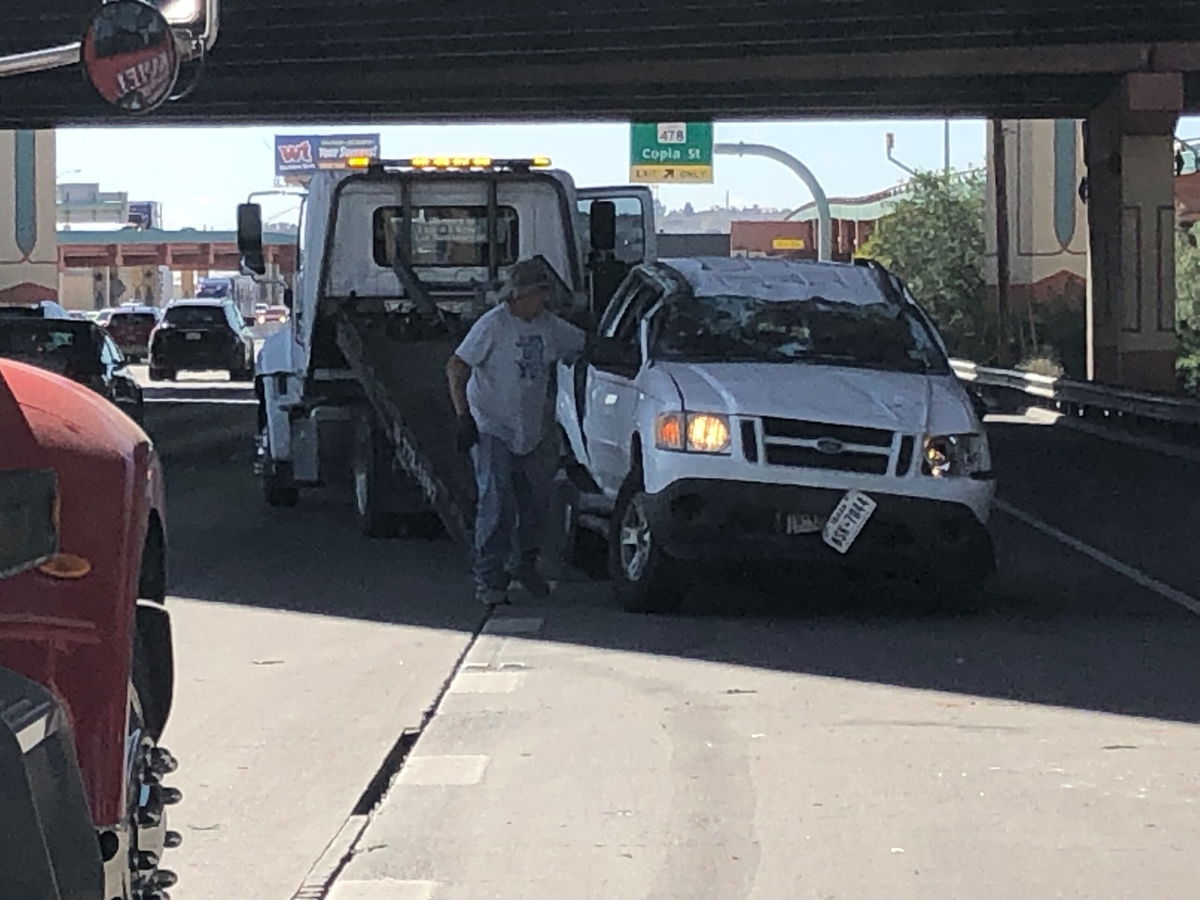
(400, 258)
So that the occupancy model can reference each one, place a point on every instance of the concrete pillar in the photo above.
(1129, 150)
(28, 230)
(187, 283)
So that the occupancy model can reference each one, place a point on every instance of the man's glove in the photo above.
(468, 433)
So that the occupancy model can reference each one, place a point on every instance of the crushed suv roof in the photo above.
(780, 279)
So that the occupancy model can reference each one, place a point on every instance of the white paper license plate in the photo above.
(848, 520)
(193, 336)
(801, 523)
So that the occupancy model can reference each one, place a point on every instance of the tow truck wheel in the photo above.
(371, 468)
(278, 488)
(646, 579)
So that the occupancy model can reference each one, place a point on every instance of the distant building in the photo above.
(672, 246)
(86, 204)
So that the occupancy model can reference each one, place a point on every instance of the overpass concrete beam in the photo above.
(1129, 150)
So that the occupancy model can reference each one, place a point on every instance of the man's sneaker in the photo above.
(528, 575)
(491, 596)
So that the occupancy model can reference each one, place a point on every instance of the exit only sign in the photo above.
(667, 152)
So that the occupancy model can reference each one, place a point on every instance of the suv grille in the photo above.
(821, 445)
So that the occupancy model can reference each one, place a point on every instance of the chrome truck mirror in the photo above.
(130, 56)
(250, 238)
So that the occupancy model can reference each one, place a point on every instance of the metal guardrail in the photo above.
(1081, 396)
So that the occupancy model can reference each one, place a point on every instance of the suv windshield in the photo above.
(739, 328)
(198, 316)
(40, 339)
(213, 289)
(132, 319)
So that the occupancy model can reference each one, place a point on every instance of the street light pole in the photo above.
(824, 218)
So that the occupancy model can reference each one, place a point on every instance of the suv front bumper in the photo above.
(727, 521)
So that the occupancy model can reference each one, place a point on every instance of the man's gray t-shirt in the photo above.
(512, 362)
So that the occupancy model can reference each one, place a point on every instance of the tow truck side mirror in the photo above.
(250, 238)
(603, 229)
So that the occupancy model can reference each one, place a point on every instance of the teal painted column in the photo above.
(28, 238)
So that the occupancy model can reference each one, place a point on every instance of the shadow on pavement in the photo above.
(1056, 628)
(1140, 506)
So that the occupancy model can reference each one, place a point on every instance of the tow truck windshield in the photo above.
(42, 340)
(738, 328)
(446, 236)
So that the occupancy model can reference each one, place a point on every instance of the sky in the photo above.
(201, 174)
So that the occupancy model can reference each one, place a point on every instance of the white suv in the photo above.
(741, 409)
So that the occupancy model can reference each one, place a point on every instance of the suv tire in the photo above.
(645, 578)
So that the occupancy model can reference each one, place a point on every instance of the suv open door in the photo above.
(622, 238)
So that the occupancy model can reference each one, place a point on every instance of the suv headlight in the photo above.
(951, 455)
(692, 432)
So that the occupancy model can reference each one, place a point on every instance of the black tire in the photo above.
(244, 372)
(645, 578)
(371, 467)
(152, 579)
(158, 373)
(422, 526)
(278, 488)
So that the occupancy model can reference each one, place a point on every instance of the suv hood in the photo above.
(898, 401)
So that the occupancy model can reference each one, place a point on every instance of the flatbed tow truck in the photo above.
(397, 260)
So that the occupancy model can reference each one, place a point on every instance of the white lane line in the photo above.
(384, 889)
(330, 861)
(443, 770)
(491, 682)
(1187, 601)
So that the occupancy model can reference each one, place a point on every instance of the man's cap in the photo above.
(526, 274)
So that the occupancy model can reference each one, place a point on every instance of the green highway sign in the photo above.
(666, 152)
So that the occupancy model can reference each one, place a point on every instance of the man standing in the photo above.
(500, 381)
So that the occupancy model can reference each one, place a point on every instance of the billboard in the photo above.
(143, 214)
(303, 154)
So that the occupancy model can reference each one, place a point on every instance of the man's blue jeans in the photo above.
(510, 512)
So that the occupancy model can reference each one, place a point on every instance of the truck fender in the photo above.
(276, 354)
(278, 423)
(154, 666)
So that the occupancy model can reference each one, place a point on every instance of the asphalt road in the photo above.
(787, 736)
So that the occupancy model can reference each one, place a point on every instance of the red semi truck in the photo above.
(86, 666)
